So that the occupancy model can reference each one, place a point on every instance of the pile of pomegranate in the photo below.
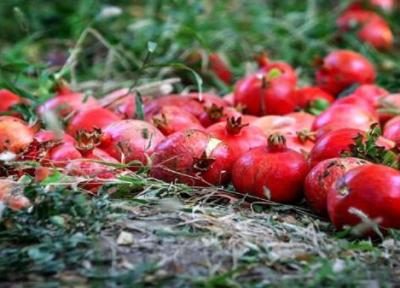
(270, 138)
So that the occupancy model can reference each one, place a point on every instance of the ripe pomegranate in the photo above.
(371, 191)
(334, 143)
(90, 119)
(343, 68)
(353, 18)
(343, 116)
(121, 102)
(388, 107)
(12, 195)
(321, 178)
(239, 137)
(311, 97)
(265, 94)
(273, 124)
(8, 99)
(219, 67)
(215, 114)
(286, 71)
(377, 33)
(359, 102)
(371, 93)
(385, 5)
(130, 140)
(15, 134)
(276, 172)
(192, 157)
(171, 119)
(186, 103)
(392, 130)
(303, 120)
(300, 141)
(206, 99)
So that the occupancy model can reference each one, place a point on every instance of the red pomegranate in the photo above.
(130, 140)
(276, 172)
(186, 103)
(122, 102)
(215, 114)
(343, 116)
(321, 178)
(15, 134)
(370, 191)
(89, 119)
(219, 67)
(8, 99)
(287, 72)
(238, 136)
(359, 102)
(371, 93)
(171, 119)
(377, 33)
(312, 97)
(192, 157)
(388, 107)
(392, 130)
(343, 68)
(265, 94)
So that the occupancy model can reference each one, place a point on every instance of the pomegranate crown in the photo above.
(234, 125)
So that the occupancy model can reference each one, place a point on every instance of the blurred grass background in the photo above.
(44, 33)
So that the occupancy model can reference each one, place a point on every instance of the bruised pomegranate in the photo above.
(273, 172)
(392, 130)
(171, 119)
(8, 99)
(321, 178)
(239, 137)
(266, 94)
(313, 97)
(333, 144)
(130, 140)
(370, 191)
(192, 157)
(341, 69)
(343, 116)
(90, 119)
(15, 134)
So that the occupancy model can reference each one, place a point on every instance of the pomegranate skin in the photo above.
(192, 157)
(373, 190)
(121, 102)
(8, 99)
(220, 68)
(130, 140)
(260, 96)
(343, 68)
(275, 172)
(391, 130)
(377, 33)
(371, 93)
(171, 119)
(343, 116)
(389, 106)
(306, 96)
(15, 134)
(216, 114)
(320, 179)
(246, 138)
(288, 73)
(90, 119)
(186, 103)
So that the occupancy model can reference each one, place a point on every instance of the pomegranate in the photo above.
(171, 119)
(392, 130)
(206, 99)
(219, 67)
(377, 33)
(239, 137)
(301, 141)
(121, 102)
(388, 107)
(371, 191)
(229, 100)
(273, 172)
(321, 177)
(215, 114)
(359, 102)
(192, 157)
(343, 116)
(343, 68)
(186, 103)
(265, 94)
(90, 119)
(286, 71)
(313, 97)
(8, 99)
(371, 93)
(15, 134)
(130, 140)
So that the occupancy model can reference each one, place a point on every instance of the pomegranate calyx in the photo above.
(203, 163)
(214, 112)
(160, 122)
(234, 125)
(304, 135)
(88, 140)
(276, 142)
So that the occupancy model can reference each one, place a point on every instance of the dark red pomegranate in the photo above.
(171, 119)
(321, 178)
(130, 140)
(370, 191)
(343, 68)
(238, 136)
(273, 172)
(265, 94)
(89, 119)
(192, 157)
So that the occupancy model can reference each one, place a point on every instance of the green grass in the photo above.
(179, 236)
